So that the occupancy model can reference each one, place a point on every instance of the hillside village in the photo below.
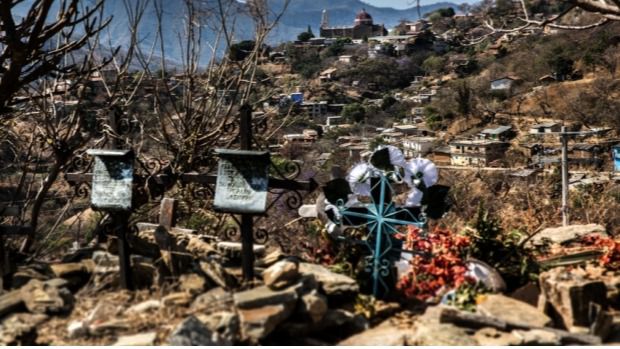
(482, 139)
(490, 148)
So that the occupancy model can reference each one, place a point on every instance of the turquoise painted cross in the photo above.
(382, 218)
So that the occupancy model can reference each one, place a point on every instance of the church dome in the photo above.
(363, 17)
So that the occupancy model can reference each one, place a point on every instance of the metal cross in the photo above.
(161, 182)
(381, 217)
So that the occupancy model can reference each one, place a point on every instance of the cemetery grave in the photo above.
(386, 271)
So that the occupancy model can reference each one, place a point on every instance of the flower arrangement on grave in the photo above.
(441, 265)
(365, 201)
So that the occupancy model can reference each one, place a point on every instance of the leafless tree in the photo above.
(604, 11)
(196, 107)
(66, 107)
(34, 46)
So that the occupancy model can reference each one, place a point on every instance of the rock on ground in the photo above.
(20, 328)
(386, 333)
(569, 292)
(47, 297)
(491, 336)
(214, 300)
(281, 274)
(193, 332)
(263, 295)
(141, 339)
(436, 334)
(564, 234)
(537, 337)
(512, 310)
(226, 323)
(313, 305)
(332, 284)
(258, 323)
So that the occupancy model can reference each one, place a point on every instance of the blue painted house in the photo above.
(616, 155)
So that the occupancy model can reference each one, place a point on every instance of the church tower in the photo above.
(325, 19)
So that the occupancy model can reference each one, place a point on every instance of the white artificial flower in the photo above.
(359, 179)
(397, 158)
(422, 169)
(414, 198)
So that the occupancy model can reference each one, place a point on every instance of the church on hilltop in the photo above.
(363, 27)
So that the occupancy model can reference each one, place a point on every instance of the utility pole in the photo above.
(564, 134)
(564, 140)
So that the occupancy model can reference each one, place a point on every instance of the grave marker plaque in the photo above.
(242, 181)
(112, 180)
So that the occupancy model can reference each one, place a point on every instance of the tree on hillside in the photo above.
(241, 50)
(606, 11)
(354, 112)
(41, 43)
(305, 36)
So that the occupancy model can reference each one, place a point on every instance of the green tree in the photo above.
(354, 112)
(434, 64)
(561, 66)
(241, 50)
(306, 36)
(387, 102)
(463, 97)
(446, 12)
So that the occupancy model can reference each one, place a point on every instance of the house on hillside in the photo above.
(327, 75)
(297, 97)
(418, 146)
(500, 133)
(306, 138)
(314, 109)
(441, 155)
(417, 111)
(392, 137)
(615, 153)
(505, 83)
(407, 130)
(347, 59)
(417, 26)
(547, 127)
(476, 152)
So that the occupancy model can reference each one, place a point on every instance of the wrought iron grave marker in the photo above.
(112, 180)
(242, 181)
(112, 186)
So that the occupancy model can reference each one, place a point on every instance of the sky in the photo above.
(400, 4)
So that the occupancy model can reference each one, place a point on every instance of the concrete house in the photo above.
(392, 137)
(616, 157)
(441, 155)
(408, 130)
(315, 109)
(327, 74)
(504, 84)
(308, 137)
(477, 152)
(546, 127)
(346, 59)
(418, 146)
(500, 133)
